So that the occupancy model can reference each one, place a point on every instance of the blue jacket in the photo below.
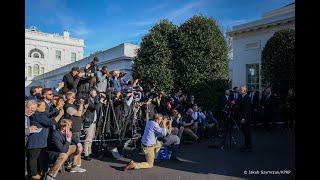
(58, 144)
(39, 140)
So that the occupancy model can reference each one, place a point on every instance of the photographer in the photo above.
(154, 129)
(62, 145)
(84, 86)
(115, 81)
(71, 80)
(89, 123)
(244, 104)
(177, 127)
(103, 80)
(74, 113)
(171, 140)
(190, 126)
(91, 69)
(35, 93)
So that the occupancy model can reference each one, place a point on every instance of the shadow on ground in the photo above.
(273, 151)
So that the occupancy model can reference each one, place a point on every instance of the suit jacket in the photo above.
(244, 107)
(51, 110)
(255, 100)
(39, 140)
(224, 102)
(233, 96)
(269, 104)
(57, 143)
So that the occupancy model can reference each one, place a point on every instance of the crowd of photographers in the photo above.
(55, 119)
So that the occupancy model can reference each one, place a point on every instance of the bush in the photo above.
(278, 62)
(153, 63)
(200, 60)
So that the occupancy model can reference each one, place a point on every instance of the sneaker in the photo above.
(77, 169)
(49, 177)
(36, 177)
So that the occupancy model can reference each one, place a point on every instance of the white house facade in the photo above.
(248, 41)
(119, 57)
(45, 52)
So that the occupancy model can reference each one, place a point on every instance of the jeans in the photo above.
(171, 140)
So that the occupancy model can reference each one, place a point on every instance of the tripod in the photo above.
(232, 133)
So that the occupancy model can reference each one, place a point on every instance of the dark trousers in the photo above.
(37, 160)
(269, 119)
(254, 117)
(247, 135)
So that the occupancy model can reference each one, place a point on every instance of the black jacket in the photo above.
(83, 89)
(244, 107)
(224, 102)
(70, 83)
(76, 120)
(89, 114)
(255, 101)
(269, 104)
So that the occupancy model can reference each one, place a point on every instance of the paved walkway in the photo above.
(273, 151)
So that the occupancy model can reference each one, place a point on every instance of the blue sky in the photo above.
(107, 23)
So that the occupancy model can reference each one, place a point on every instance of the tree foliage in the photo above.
(191, 57)
(200, 63)
(278, 62)
(153, 63)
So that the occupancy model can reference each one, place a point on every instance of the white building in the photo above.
(119, 57)
(45, 52)
(248, 41)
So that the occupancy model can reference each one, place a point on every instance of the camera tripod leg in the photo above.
(114, 118)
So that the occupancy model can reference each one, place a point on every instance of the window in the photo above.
(35, 55)
(58, 55)
(252, 73)
(33, 52)
(36, 70)
(253, 45)
(29, 71)
(42, 70)
(73, 57)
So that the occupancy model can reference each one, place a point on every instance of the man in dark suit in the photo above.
(235, 94)
(51, 110)
(268, 106)
(244, 109)
(254, 99)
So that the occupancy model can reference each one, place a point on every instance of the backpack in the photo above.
(163, 153)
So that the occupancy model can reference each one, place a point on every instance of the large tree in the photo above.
(153, 63)
(200, 60)
(278, 62)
